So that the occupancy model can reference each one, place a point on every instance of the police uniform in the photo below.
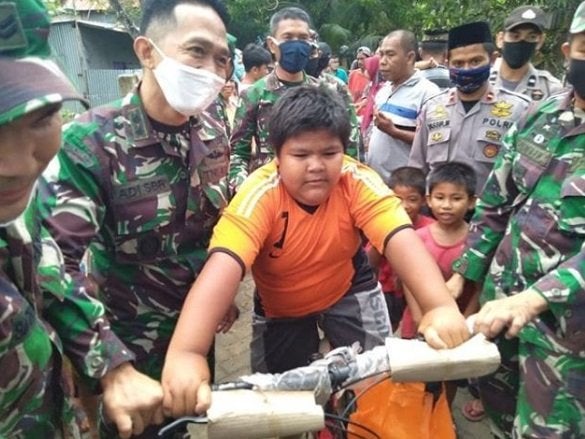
(143, 202)
(445, 132)
(536, 84)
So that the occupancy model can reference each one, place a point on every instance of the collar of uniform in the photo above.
(489, 97)
(273, 83)
(137, 121)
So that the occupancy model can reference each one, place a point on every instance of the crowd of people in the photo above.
(433, 181)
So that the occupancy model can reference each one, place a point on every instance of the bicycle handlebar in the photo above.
(270, 404)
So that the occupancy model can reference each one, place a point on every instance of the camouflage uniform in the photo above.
(251, 123)
(529, 233)
(446, 132)
(42, 318)
(536, 84)
(144, 205)
(218, 112)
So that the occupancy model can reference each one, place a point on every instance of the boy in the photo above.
(451, 195)
(296, 222)
(408, 184)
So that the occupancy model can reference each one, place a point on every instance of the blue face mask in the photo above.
(294, 55)
(469, 80)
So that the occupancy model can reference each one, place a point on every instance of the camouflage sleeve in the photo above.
(492, 213)
(241, 140)
(78, 319)
(70, 201)
(564, 287)
(417, 157)
(355, 147)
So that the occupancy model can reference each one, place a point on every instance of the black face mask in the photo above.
(576, 76)
(519, 53)
(316, 65)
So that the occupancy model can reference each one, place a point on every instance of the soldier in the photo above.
(42, 316)
(522, 37)
(139, 183)
(289, 41)
(526, 249)
(466, 123)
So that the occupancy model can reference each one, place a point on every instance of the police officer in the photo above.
(526, 250)
(42, 317)
(139, 183)
(522, 37)
(467, 122)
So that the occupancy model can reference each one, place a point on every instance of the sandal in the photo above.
(473, 410)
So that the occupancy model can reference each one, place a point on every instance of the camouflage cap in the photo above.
(578, 23)
(27, 80)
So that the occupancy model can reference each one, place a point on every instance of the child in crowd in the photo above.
(408, 184)
(451, 195)
(296, 222)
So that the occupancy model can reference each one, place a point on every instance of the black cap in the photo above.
(470, 33)
(526, 15)
(436, 35)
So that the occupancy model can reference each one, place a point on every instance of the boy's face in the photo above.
(412, 200)
(310, 165)
(26, 147)
(449, 203)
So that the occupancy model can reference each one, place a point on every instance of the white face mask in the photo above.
(187, 89)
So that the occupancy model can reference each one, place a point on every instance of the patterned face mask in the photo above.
(188, 90)
(469, 80)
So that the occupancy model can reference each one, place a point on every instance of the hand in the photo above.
(185, 381)
(384, 123)
(426, 64)
(513, 311)
(229, 319)
(455, 285)
(444, 327)
(131, 400)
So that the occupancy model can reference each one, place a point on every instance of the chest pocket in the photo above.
(572, 210)
(143, 211)
(529, 164)
(488, 145)
(438, 145)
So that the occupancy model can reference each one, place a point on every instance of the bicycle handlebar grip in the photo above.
(260, 414)
(414, 360)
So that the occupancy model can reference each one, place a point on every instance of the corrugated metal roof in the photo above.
(92, 24)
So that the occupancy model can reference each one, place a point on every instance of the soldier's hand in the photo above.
(229, 319)
(185, 382)
(512, 312)
(444, 327)
(131, 400)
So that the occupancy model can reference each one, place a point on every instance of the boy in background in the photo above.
(451, 195)
(297, 223)
(408, 184)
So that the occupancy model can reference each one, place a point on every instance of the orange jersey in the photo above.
(301, 261)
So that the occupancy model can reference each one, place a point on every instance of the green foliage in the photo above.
(353, 23)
